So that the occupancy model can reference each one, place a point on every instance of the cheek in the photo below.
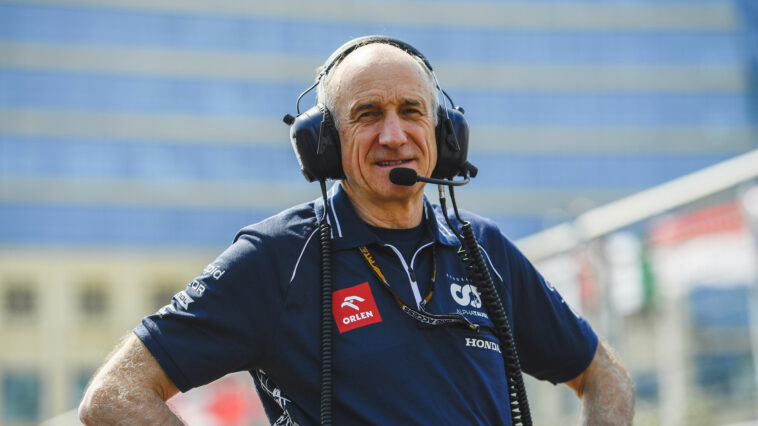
(431, 149)
(350, 151)
(432, 143)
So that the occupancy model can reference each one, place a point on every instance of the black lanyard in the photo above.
(420, 315)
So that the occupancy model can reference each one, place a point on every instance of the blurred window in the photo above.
(646, 386)
(21, 397)
(93, 301)
(20, 301)
(721, 350)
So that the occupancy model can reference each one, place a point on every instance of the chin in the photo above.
(402, 193)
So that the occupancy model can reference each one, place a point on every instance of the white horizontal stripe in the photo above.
(155, 128)
(594, 78)
(159, 62)
(243, 66)
(186, 129)
(552, 204)
(574, 15)
(641, 206)
(260, 195)
(156, 192)
(578, 140)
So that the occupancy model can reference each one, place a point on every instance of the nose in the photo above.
(392, 133)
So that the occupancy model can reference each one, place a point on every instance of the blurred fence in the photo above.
(669, 277)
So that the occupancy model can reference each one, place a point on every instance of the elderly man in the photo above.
(395, 260)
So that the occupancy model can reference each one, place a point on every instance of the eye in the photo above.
(412, 110)
(367, 115)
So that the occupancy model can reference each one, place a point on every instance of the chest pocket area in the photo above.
(456, 293)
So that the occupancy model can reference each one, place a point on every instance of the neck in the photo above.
(396, 214)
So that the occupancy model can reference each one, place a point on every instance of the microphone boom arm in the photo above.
(408, 177)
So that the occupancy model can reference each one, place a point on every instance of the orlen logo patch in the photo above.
(354, 307)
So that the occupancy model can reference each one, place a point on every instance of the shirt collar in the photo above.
(350, 231)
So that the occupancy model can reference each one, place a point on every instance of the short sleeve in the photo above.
(220, 322)
(554, 342)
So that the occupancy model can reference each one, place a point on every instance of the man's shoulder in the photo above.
(294, 223)
(486, 230)
(480, 224)
(273, 244)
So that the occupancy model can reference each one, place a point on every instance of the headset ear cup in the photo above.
(329, 128)
(315, 140)
(452, 134)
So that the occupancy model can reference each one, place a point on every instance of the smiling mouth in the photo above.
(392, 163)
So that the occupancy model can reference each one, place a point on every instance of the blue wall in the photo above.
(65, 157)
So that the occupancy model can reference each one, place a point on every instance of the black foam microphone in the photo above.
(408, 177)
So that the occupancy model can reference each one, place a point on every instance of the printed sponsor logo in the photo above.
(166, 309)
(198, 287)
(482, 344)
(349, 302)
(357, 317)
(471, 312)
(183, 299)
(214, 271)
(466, 295)
(354, 307)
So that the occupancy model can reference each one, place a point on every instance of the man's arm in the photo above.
(130, 387)
(606, 390)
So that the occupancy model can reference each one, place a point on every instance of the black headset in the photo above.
(316, 142)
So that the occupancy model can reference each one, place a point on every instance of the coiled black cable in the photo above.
(326, 314)
(480, 276)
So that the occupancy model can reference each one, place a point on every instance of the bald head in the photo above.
(357, 67)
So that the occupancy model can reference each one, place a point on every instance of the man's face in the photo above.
(384, 108)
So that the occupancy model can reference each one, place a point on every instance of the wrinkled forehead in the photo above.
(376, 65)
(378, 54)
(348, 48)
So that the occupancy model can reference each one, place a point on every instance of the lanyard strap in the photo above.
(420, 315)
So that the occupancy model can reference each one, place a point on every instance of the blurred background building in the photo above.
(137, 137)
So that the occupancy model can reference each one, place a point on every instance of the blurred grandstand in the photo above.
(136, 138)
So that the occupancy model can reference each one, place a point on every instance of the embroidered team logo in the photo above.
(354, 307)
(466, 295)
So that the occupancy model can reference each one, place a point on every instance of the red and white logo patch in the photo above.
(354, 307)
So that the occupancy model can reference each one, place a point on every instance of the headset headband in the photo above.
(347, 48)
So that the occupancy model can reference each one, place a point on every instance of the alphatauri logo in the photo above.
(354, 307)
(466, 295)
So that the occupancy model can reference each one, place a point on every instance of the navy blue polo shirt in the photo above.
(256, 308)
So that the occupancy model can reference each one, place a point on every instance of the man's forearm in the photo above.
(608, 398)
(130, 388)
(117, 405)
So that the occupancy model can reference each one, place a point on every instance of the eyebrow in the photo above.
(411, 102)
(363, 107)
(369, 105)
